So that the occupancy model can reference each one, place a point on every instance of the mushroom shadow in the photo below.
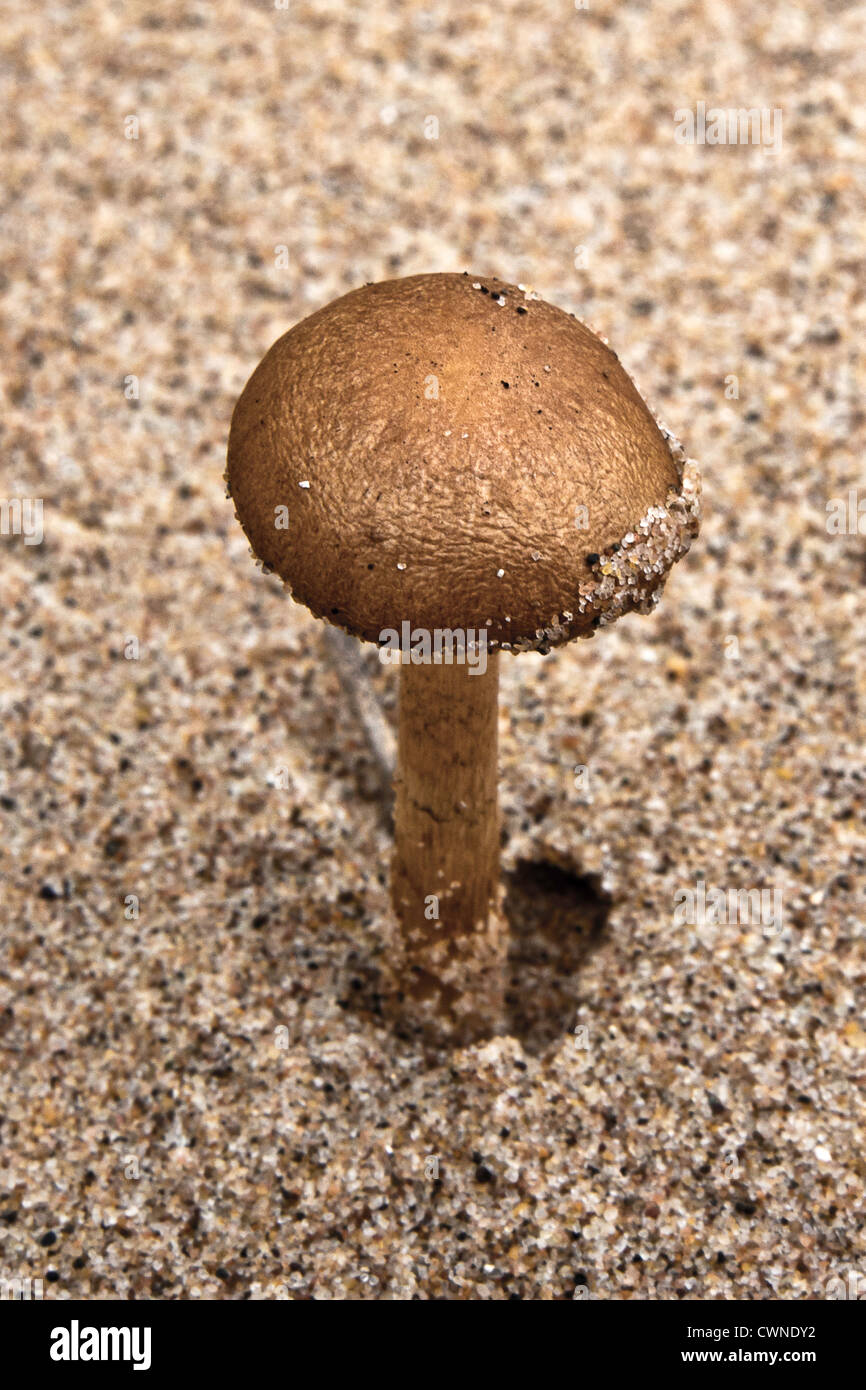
(556, 918)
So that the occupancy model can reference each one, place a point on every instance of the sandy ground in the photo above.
(199, 1097)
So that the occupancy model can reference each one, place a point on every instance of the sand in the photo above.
(199, 1095)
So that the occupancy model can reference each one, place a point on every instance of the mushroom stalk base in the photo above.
(452, 949)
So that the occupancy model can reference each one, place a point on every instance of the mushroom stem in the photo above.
(445, 869)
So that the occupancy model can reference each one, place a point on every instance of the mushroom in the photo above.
(465, 470)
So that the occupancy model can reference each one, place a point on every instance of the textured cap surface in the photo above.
(446, 450)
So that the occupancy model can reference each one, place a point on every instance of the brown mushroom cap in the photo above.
(455, 452)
